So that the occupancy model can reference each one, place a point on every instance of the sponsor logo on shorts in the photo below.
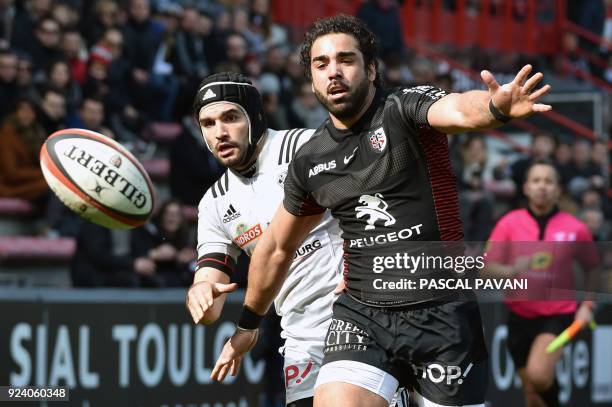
(247, 236)
(345, 336)
(297, 373)
(375, 209)
(437, 373)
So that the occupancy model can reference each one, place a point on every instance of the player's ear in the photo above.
(312, 87)
(372, 71)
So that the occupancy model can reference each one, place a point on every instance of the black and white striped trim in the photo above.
(220, 187)
(289, 145)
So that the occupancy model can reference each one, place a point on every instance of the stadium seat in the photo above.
(163, 132)
(17, 217)
(157, 168)
(26, 249)
(13, 206)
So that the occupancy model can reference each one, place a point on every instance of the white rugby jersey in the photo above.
(236, 210)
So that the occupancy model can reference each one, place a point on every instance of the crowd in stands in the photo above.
(117, 66)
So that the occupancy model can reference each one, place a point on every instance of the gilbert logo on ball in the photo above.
(97, 178)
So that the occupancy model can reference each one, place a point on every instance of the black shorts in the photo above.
(437, 350)
(523, 331)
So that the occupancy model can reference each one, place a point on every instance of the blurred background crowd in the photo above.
(130, 70)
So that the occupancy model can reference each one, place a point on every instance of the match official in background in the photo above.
(545, 243)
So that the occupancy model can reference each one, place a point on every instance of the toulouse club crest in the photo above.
(378, 140)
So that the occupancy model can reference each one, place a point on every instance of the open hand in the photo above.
(517, 99)
(234, 350)
(201, 296)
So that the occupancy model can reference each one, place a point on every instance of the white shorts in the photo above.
(375, 380)
(360, 374)
(300, 378)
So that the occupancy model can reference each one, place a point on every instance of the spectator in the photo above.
(584, 173)
(592, 16)
(294, 70)
(9, 88)
(215, 43)
(7, 15)
(52, 110)
(569, 61)
(103, 258)
(27, 15)
(24, 75)
(59, 78)
(599, 155)
(594, 220)
(591, 198)
(190, 60)
(382, 17)
(66, 16)
(235, 54)
(242, 25)
(45, 47)
(153, 93)
(108, 79)
(75, 53)
(606, 46)
(276, 114)
(96, 76)
(306, 111)
(273, 35)
(104, 18)
(90, 116)
(563, 161)
(193, 169)
(542, 148)
(168, 15)
(476, 202)
(21, 138)
(166, 242)
(276, 61)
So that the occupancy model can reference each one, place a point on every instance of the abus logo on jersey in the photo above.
(438, 373)
(321, 167)
(378, 140)
(375, 208)
(231, 214)
(246, 236)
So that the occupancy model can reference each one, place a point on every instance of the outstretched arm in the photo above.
(267, 272)
(481, 110)
(273, 256)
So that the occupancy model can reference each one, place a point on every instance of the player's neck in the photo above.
(245, 169)
(347, 123)
(542, 210)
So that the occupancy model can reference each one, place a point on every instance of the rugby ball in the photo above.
(97, 178)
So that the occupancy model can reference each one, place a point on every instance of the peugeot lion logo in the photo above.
(376, 209)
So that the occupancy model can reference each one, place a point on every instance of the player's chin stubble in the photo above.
(351, 104)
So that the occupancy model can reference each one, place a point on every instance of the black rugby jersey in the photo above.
(388, 180)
